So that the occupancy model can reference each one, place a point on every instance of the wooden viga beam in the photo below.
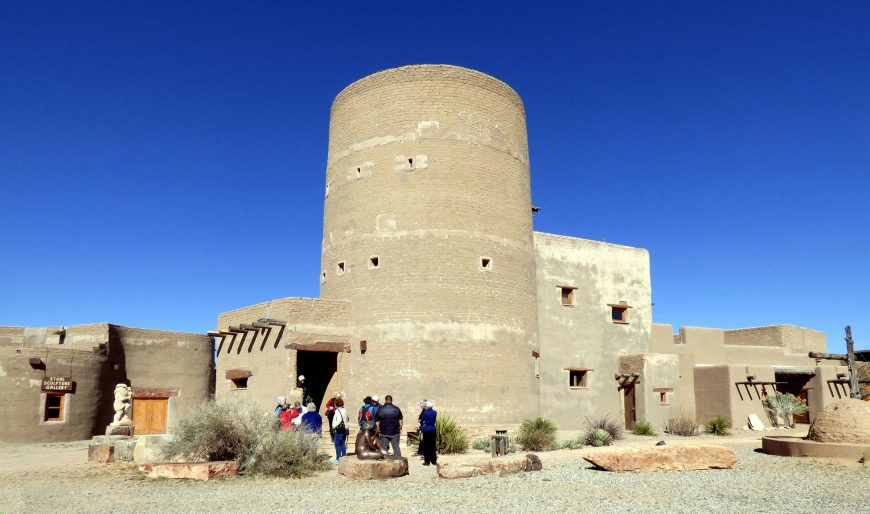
(859, 356)
(271, 321)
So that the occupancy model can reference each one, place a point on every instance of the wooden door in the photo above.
(805, 417)
(630, 412)
(149, 415)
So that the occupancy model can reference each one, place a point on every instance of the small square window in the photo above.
(578, 378)
(240, 383)
(663, 397)
(619, 313)
(339, 268)
(485, 264)
(53, 407)
(567, 295)
(374, 262)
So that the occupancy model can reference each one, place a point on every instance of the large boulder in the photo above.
(149, 449)
(844, 421)
(353, 467)
(192, 470)
(501, 466)
(662, 458)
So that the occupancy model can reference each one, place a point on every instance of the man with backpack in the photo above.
(364, 416)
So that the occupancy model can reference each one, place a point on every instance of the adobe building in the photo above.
(434, 285)
(57, 383)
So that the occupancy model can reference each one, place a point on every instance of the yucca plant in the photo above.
(644, 428)
(537, 434)
(449, 436)
(483, 444)
(718, 425)
(572, 444)
(599, 437)
(783, 406)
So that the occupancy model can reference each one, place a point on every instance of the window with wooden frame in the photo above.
(567, 293)
(578, 378)
(53, 407)
(619, 312)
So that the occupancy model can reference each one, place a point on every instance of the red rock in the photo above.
(192, 470)
(662, 458)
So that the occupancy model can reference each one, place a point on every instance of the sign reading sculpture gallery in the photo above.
(58, 384)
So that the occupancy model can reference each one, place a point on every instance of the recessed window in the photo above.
(53, 407)
(339, 268)
(663, 397)
(374, 262)
(240, 383)
(619, 313)
(567, 295)
(485, 263)
(578, 378)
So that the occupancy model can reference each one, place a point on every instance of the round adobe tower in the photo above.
(428, 231)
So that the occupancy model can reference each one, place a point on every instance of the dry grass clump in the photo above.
(644, 428)
(612, 427)
(229, 429)
(537, 434)
(684, 424)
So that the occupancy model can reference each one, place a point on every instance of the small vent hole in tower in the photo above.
(374, 262)
(411, 164)
(485, 263)
(340, 268)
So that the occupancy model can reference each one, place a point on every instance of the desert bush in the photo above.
(483, 444)
(537, 434)
(222, 429)
(684, 424)
(572, 444)
(230, 429)
(599, 437)
(783, 406)
(718, 425)
(449, 436)
(612, 427)
(644, 428)
(287, 454)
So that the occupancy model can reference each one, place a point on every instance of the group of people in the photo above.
(385, 419)
(292, 417)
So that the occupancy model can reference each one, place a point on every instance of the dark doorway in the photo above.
(630, 411)
(796, 384)
(318, 368)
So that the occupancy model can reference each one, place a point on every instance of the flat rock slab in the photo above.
(501, 466)
(192, 470)
(103, 453)
(662, 458)
(353, 467)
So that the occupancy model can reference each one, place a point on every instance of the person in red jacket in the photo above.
(286, 419)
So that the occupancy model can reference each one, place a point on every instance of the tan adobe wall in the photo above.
(96, 357)
(796, 339)
(583, 335)
(272, 365)
(428, 171)
(658, 388)
(176, 362)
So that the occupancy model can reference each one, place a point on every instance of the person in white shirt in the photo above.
(340, 427)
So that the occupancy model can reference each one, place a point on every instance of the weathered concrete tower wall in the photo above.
(428, 232)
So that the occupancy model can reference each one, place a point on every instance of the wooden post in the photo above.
(853, 373)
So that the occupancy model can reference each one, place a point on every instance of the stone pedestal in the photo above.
(126, 430)
(353, 467)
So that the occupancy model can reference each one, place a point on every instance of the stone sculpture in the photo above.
(122, 405)
(368, 445)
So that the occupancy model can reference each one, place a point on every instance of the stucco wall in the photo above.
(273, 366)
(583, 335)
(96, 357)
(428, 171)
(659, 375)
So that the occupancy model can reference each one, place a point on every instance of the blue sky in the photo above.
(162, 162)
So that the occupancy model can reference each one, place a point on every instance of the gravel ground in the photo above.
(52, 478)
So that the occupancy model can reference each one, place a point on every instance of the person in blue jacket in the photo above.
(311, 421)
(427, 430)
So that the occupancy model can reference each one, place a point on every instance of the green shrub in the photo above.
(537, 435)
(612, 427)
(483, 444)
(718, 425)
(572, 444)
(783, 406)
(230, 429)
(449, 436)
(684, 424)
(644, 428)
(599, 437)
